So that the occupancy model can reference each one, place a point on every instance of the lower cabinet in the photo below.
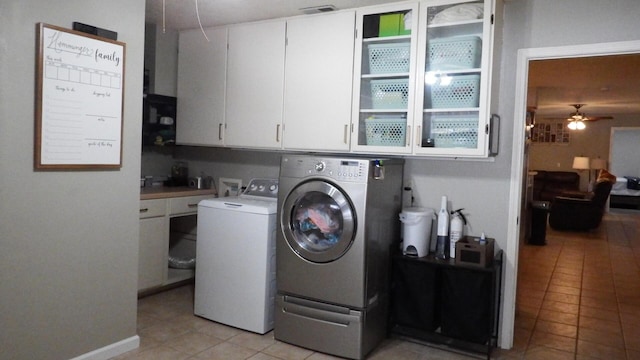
(152, 254)
(446, 304)
(166, 225)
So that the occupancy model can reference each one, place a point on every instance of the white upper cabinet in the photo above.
(454, 68)
(318, 82)
(255, 85)
(384, 78)
(408, 78)
(422, 79)
(201, 87)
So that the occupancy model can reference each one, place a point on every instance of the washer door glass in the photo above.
(318, 221)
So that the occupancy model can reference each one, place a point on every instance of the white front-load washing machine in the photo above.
(338, 218)
(235, 258)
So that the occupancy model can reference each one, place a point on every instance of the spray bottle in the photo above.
(442, 242)
(458, 221)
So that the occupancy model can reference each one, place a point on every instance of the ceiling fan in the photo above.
(576, 119)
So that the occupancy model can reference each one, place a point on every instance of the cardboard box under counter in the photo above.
(469, 251)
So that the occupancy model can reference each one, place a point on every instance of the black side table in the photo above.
(539, 214)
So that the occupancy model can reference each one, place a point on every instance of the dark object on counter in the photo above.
(171, 182)
(580, 214)
(179, 175)
(539, 212)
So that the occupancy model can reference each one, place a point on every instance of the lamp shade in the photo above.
(581, 163)
(597, 164)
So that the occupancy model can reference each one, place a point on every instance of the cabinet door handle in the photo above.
(144, 210)
(278, 133)
(418, 136)
(220, 131)
(408, 137)
(192, 205)
(346, 133)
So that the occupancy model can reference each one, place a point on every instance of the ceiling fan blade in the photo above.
(596, 118)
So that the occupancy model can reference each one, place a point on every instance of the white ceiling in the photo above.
(607, 85)
(181, 14)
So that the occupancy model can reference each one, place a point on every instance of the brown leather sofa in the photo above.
(549, 184)
(580, 214)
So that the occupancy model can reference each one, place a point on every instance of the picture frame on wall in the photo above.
(550, 132)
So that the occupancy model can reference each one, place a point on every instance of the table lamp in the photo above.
(581, 163)
(598, 164)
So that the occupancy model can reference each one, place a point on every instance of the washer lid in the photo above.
(240, 204)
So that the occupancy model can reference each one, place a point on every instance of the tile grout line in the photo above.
(615, 285)
(546, 291)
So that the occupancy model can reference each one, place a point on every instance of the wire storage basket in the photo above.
(457, 130)
(389, 93)
(461, 91)
(454, 53)
(389, 58)
(386, 130)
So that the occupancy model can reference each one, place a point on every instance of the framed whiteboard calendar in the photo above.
(79, 100)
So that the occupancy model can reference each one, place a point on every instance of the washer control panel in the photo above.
(339, 169)
(262, 188)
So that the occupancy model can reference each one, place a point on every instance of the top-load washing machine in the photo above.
(235, 258)
(338, 218)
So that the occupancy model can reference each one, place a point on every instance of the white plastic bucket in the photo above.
(416, 230)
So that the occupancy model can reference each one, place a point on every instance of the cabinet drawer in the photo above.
(186, 205)
(153, 208)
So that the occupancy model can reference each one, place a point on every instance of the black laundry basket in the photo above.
(415, 295)
(466, 304)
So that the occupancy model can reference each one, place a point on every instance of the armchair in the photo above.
(580, 214)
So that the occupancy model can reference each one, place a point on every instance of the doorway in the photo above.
(518, 161)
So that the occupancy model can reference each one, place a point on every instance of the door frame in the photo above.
(517, 158)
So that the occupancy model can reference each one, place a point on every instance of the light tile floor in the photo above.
(578, 298)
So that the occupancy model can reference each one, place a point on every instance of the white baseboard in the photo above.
(112, 350)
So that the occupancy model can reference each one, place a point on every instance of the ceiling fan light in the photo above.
(572, 125)
(580, 125)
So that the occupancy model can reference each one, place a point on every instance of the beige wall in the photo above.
(68, 239)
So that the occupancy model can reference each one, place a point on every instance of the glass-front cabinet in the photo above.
(454, 68)
(424, 77)
(384, 80)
